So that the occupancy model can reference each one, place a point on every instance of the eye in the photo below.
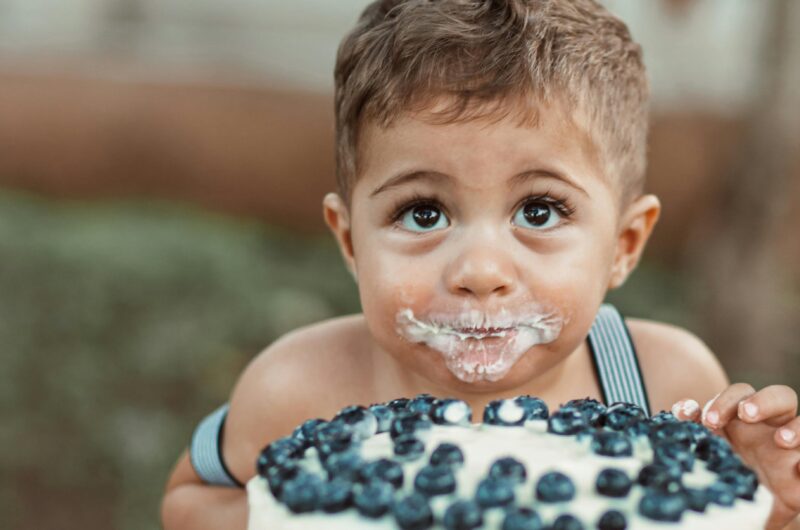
(537, 214)
(426, 217)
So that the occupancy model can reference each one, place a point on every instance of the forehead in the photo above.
(481, 150)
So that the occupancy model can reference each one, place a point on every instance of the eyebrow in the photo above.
(435, 176)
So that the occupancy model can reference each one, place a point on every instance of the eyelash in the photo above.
(562, 205)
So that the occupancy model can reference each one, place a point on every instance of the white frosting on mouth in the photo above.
(476, 347)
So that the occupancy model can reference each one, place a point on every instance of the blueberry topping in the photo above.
(712, 447)
(508, 468)
(301, 494)
(698, 431)
(409, 423)
(447, 454)
(279, 452)
(612, 520)
(374, 498)
(384, 470)
(399, 404)
(621, 416)
(742, 480)
(555, 487)
(413, 512)
(421, 404)
(463, 515)
(535, 408)
(720, 463)
(435, 480)
(451, 412)
(613, 482)
(673, 433)
(611, 443)
(566, 522)
(506, 412)
(697, 499)
(332, 437)
(660, 477)
(336, 495)
(591, 409)
(522, 519)
(278, 474)
(721, 493)
(408, 447)
(566, 422)
(664, 417)
(305, 432)
(494, 492)
(383, 415)
(362, 422)
(674, 455)
(661, 506)
(345, 465)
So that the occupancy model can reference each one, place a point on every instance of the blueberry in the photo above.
(399, 404)
(451, 412)
(611, 443)
(383, 469)
(506, 412)
(435, 480)
(336, 495)
(463, 515)
(409, 423)
(535, 408)
(660, 477)
(613, 482)
(301, 494)
(413, 512)
(383, 415)
(447, 454)
(279, 474)
(720, 463)
(566, 422)
(305, 432)
(374, 498)
(673, 454)
(363, 423)
(742, 479)
(621, 416)
(555, 487)
(673, 433)
(421, 404)
(591, 409)
(522, 519)
(721, 493)
(408, 447)
(663, 417)
(345, 464)
(712, 447)
(333, 436)
(697, 499)
(566, 521)
(494, 492)
(661, 506)
(509, 469)
(278, 452)
(698, 431)
(612, 520)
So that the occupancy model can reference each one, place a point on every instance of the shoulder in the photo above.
(675, 363)
(304, 374)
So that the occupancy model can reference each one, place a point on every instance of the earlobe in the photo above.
(337, 217)
(638, 223)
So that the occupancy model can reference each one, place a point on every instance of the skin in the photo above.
(478, 257)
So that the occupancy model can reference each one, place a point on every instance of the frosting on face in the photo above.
(480, 347)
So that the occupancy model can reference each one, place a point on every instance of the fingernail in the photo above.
(751, 410)
(690, 407)
(707, 406)
(712, 417)
(787, 435)
(676, 408)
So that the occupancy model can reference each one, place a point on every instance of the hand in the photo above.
(764, 429)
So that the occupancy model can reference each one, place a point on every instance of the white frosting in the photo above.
(540, 452)
(489, 351)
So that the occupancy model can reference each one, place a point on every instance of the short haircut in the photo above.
(484, 55)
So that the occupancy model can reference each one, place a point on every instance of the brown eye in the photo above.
(423, 218)
(537, 214)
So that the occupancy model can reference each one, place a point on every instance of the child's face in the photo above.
(495, 275)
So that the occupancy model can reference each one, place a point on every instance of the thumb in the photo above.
(686, 410)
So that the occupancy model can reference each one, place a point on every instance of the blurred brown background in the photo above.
(162, 165)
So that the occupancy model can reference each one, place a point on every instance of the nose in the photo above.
(481, 271)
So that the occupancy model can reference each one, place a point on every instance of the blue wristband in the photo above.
(205, 450)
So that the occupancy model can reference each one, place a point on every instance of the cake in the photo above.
(422, 463)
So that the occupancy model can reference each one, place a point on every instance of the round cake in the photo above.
(422, 463)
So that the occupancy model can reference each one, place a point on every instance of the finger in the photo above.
(777, 403)
(788, 436)
(719, 411)
(686, 409)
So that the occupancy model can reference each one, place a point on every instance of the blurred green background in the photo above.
(162, 166)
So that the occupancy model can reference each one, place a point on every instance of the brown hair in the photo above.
(485, 53)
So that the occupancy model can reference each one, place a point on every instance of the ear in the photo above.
(636, 226)
(337, 217)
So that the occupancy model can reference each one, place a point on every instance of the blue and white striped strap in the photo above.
(615, 359)
(205, 451)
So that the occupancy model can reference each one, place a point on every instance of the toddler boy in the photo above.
(490, 171)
